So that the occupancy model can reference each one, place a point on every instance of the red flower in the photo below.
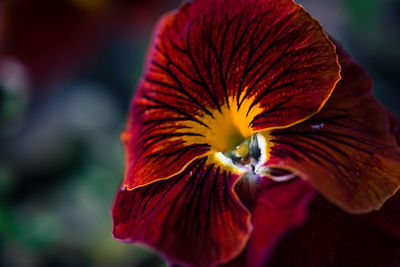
(238, 122)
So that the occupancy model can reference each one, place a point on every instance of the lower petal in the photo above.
(280, 207)
(332, 237)
(193, 218)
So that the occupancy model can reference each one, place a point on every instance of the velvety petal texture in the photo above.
(193, 218)
(348, 150)
(331, 237)
(217, 72)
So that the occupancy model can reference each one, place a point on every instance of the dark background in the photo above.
(67, 72)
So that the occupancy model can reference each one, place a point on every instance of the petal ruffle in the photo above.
(217, 72)
(194, 217)
(332, 237)
(280, 207)
(348, 150)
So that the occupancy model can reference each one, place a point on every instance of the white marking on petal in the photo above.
(283, 178)
(317, 126)
(262, 171)
(262, 145)
(228, 162)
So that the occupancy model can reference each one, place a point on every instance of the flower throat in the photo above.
(250, 157)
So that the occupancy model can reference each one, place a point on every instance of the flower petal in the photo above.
(280, 207)
(219, 71)
(348, 150)
(332, 237)
(194, 217)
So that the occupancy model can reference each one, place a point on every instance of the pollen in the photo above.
(246, 157)
(242, 150)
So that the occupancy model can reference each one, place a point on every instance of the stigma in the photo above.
(249, 158)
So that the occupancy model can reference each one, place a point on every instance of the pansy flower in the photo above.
(246, 116)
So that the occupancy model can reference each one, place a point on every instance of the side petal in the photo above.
(280, 208)
(194, 217)
(218, 72)
(332, 237)
(347, 151)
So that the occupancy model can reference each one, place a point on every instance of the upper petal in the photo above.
(219, 71)
(348, 150)
(194, 217)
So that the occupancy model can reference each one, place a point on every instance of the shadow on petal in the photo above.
(280, 208)
(332, 237)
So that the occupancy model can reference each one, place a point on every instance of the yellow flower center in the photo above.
(227, 128)
(234, 146)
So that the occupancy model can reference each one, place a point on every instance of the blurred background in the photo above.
(68, 69)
